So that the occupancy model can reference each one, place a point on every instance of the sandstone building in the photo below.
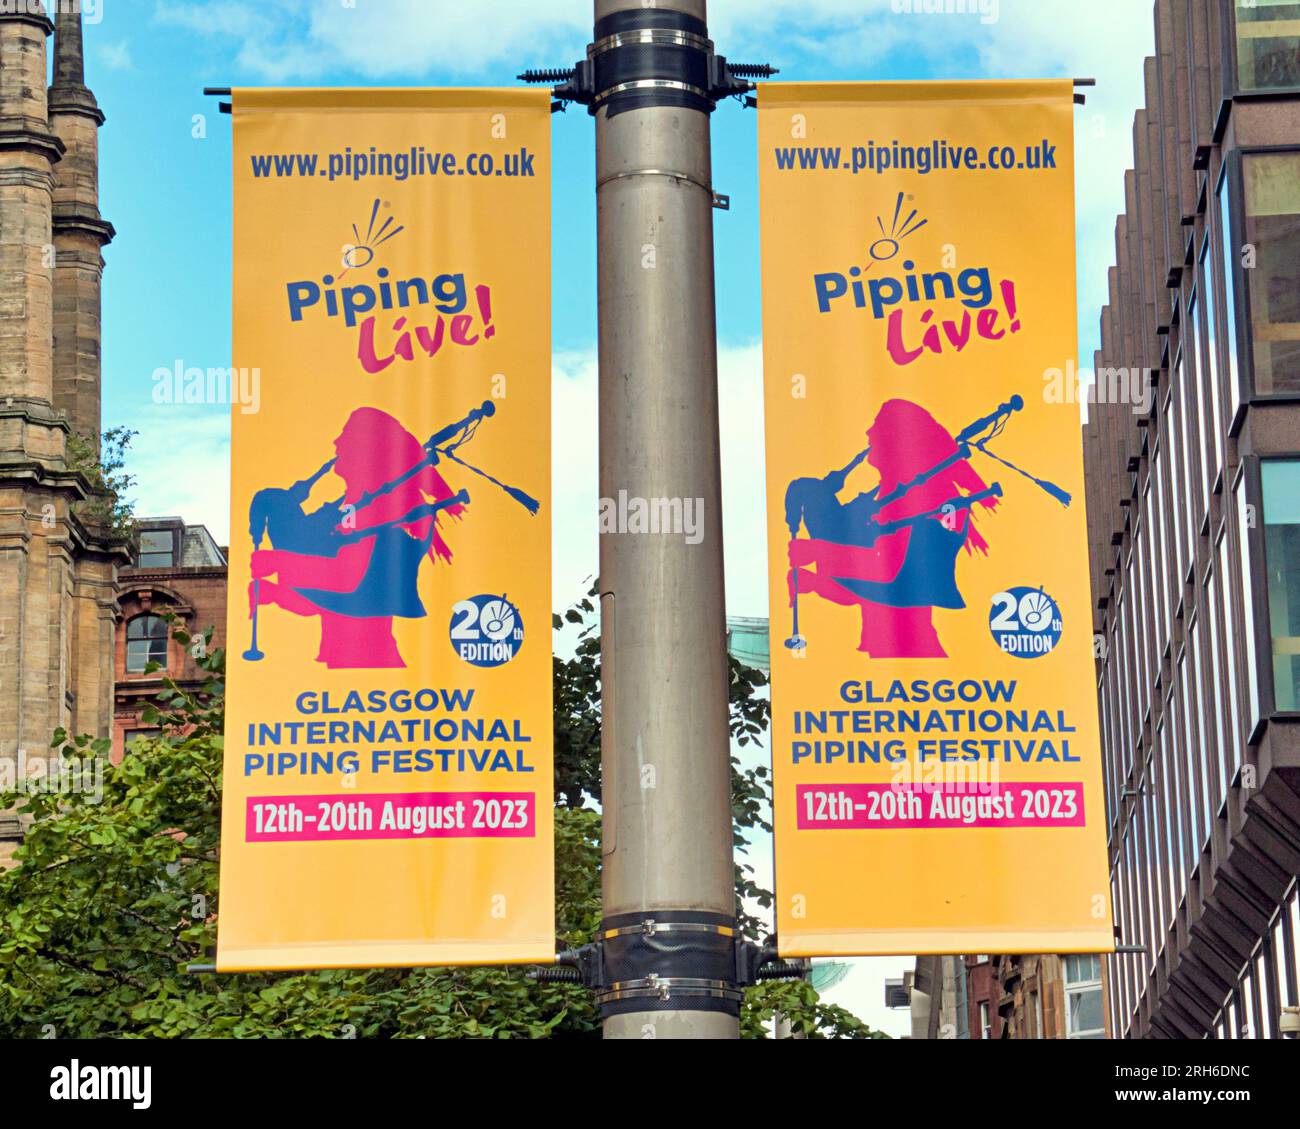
(58, 561)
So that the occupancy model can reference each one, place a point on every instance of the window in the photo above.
(1176, 780)
(1290, 931)
(1203, 667)
(1141, 604)
(1108, 745)
(986, 1027)
(1272, 190)
(1163, 583)
(1246, 521)
(1209, 275)
(1187, 424)
(1132, 919)
(1259, 985)
(1083, 1011)
(1151, 860)
(1281, 482)
(135, 735)
(1033, 1028)
(1200, 778)
(1115, 986)
(1231, 668)
(1177, 534)
(146, 642)
(1279, 989)
(1184, 739)
(157, 548)
(1124, 634)
(1201, 394)
(1231, 257)
(1141, 918)
(1170, 801)
(1217, 698)
(1268, 44)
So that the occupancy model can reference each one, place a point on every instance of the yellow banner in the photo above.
(935, 740)
(388, 769)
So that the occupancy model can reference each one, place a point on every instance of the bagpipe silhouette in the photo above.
(388, 587)
(812, 504)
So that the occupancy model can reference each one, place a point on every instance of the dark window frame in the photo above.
(1257, 555)
(1234, 168)
(1232, 88)
(174, 534)
(165, 639)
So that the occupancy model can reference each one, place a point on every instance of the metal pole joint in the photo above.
(672, 961)
(644, 58)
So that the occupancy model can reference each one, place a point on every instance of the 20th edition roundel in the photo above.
(486, 630)
(1025, 622)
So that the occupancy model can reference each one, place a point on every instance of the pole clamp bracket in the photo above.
(669, 960)
(650, 57)
(666, 989)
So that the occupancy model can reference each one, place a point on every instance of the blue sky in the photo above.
(165, 185)
(167, 285)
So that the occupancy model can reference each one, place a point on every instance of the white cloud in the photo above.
(284, 39)
(299, 39)
(116, 56)
(575, 474)
(862, 992)
(181, 463)
(744, 509)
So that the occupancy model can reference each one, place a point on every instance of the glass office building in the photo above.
(1194, 532)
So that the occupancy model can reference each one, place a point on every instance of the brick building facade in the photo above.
(982, 991)
(989, 996)
(1049, 996)
(179, 570)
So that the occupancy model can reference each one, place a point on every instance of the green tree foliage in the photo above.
(115, 893)
(105, 470)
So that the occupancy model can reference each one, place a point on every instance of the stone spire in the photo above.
(34, 482)
(69, 65)
(79, 232)
(30, 151)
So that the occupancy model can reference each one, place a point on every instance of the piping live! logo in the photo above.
(380, 307)
(918, 306)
